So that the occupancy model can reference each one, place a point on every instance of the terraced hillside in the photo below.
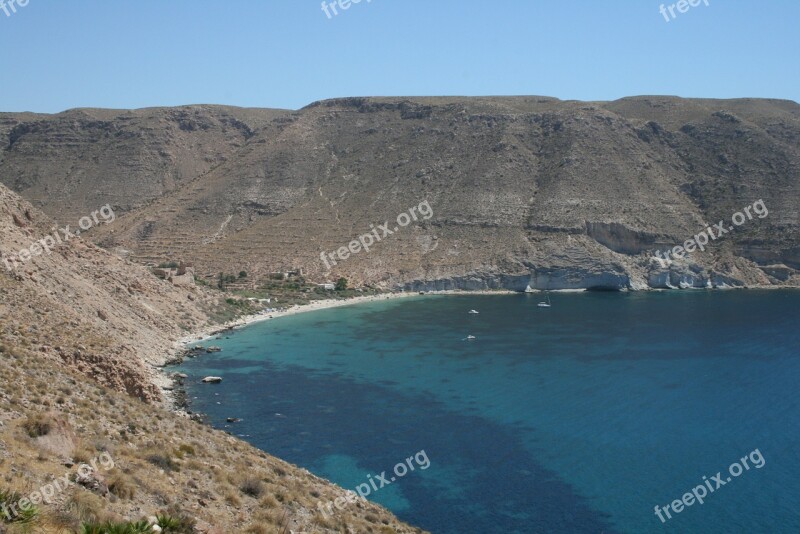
(82, 159)
(524, 191)
(80, 333)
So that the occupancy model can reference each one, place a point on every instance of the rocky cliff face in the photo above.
(524, 191)
(85, 307)
(82, 159)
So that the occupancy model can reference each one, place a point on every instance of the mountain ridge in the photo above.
(567, 194)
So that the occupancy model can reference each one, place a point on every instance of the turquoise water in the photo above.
(576, 418)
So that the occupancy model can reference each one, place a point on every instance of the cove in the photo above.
(581, 417)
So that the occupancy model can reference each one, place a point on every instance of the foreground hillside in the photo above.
(523, 191)
(80, 331)
(80, 305)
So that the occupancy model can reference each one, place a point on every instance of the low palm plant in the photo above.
(9, 504)
(140, 527)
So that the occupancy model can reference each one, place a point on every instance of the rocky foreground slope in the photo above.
(524, 191)
(80, 332)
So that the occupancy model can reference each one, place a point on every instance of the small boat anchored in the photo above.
(545, 304)
(473, 312)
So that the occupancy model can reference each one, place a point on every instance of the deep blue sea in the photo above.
(581, 417)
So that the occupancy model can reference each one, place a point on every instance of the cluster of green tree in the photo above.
(224, 279)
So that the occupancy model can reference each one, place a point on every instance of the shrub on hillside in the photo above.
(252, 487)
(175, 522)
(163, 462)
(140, 527)
(37, 425)
(9, 500)
(121, 484)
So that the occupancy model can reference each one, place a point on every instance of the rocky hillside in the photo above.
(523, 191)
(85, 307)
(86, 158)
(80, 333)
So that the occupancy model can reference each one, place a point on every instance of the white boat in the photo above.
(470, 337)
(473, 311)
(545, 304)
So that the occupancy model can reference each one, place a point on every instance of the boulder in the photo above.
(91, 480)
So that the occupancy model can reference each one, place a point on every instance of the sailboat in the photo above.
(545, 304)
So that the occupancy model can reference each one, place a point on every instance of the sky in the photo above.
(57, 55)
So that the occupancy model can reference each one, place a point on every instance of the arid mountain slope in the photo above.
(85, 307)
(79, 318)
(523, 190)
(92, 157)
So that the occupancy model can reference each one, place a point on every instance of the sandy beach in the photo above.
(212, 331)
(163, 378)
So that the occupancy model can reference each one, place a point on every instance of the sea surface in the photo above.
(581, 417)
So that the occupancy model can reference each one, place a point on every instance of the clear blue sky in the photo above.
(57, 54)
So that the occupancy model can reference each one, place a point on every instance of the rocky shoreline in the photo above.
(173, 385)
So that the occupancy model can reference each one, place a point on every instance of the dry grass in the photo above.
(37, 425)
(86, 507)
(252, 487)
(163, 463)
(120, 484)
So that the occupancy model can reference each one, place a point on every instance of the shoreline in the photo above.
(169, 385)
(212, 331)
